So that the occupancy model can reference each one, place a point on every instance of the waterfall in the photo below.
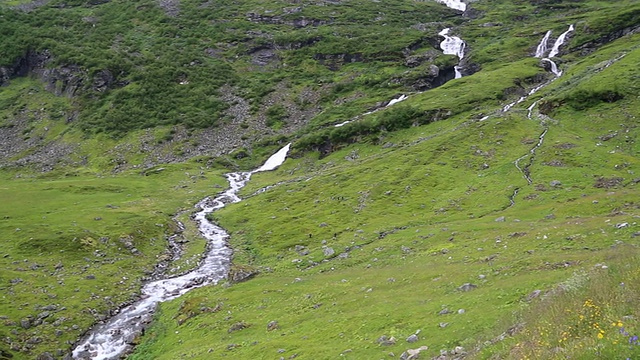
(395, 101)
(559, 42)
(542, 47)
(554, 67)
(452, 45)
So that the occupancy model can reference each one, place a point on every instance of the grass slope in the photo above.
(371, 238)
(374, 241)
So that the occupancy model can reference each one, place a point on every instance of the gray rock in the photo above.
(45, 356)
(501, 219)
(386, 341)
(328, 251)
(413, 354)
(25, 323)
(272, 325)
(555, 183)
(34, 340)
(467, 287)
(43, 315)
(238, 326)
(413, 338)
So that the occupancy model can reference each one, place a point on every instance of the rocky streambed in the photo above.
(116, 337)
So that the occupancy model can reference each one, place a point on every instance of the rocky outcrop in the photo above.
(24, 65)
(335, 61)
(64, 80)
(298, 23)
(591, 46)
(430, 78)
(170, 7)
(30, 6)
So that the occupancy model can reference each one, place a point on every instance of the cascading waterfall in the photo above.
(402, 97)
(542, 47)
(530, 109)
(452, 45)
(114, 338)
(559, 42)
(540, 51)
(554, 67)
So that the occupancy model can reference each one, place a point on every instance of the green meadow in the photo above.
(411, 226)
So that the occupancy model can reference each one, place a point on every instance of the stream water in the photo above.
(115, 337)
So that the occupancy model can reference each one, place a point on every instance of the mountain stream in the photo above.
(115, 337)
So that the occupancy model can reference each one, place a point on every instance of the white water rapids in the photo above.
(114, 338)
(542, 47)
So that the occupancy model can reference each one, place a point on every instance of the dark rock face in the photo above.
(64, 80)
(467, 69)
(24, 65)
(432, 78)
(102, 80)
(264, 57)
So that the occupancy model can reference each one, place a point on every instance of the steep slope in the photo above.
(509, 179)
(376, 241)
(239, 71)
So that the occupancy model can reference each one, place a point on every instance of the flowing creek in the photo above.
(541, 50)
(114, 338)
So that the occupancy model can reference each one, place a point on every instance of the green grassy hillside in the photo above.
(411, 221)
(116, 117)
